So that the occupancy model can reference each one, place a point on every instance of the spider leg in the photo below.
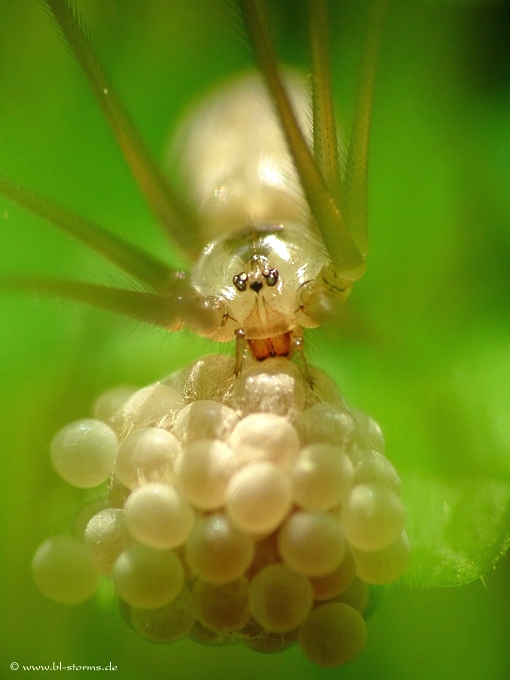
(157, 191)
(332, 200)
(182, 304)
(146, 268)
(325, 137)
(356, 172)
(319, 299)
(348, 261)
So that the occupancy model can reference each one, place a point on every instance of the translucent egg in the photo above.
(336, 582)
(274, 387)
(311, 543)
(109, 402)
(83, 452)
(217, 552)
(373, 517)
(147, 455)
(153, 406)
(279, 599)
(85, 514)
(106, 536)
(204, 471)
(333, 635)
(62, 572)
(264, 437)
(258, 497)
(371, 467)
(210, 377)
(222, 608)
(383, 566)
(321, 388)
(357, 595)
(327, 423)
(321, 476)
(165, 624)
(204, 419)
(370, 435)
(147, 578)
(157, 515)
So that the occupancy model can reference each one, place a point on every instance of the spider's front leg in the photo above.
(344, 233)
(169, 301)
(180, 305)
(334, 184)
(203, 314)
(320, 299)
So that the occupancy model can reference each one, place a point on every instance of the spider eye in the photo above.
(239, 281)
(271, 276)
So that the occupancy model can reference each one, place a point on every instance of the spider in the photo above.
(271, 272)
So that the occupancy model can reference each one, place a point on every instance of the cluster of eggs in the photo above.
(253, 508)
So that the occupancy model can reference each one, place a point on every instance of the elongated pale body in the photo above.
(233, 159)
(261, 243)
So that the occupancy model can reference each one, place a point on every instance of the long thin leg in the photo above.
(144, 267)
(348, 263)
(325, 136)
(176, 301)
(182, 304)
(356, 173)
(159, 194)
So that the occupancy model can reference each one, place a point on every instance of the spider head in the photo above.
(258, 275)
(258, 272)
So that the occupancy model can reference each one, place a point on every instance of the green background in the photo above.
(423, 345)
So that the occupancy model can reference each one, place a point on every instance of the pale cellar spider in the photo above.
(244, 499)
